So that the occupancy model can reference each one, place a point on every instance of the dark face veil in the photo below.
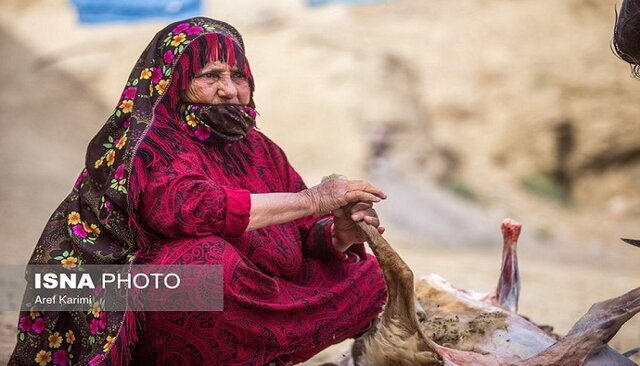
(96, 223)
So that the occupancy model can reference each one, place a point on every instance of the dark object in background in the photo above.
(626, 35)
(632, 242)
(101, 11)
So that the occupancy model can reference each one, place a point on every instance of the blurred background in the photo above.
(464, 112)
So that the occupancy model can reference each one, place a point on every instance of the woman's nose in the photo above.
(226, 88)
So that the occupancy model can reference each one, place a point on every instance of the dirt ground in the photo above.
(327, 78)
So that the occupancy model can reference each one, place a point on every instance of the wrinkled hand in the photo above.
(336, 192)
(345, 230)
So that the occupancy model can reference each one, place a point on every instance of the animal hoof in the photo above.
(420, 313)
(422, 316)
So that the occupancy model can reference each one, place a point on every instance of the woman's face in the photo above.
(218, 83)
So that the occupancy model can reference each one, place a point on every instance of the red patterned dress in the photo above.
(287, 293)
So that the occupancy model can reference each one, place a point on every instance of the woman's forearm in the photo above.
(277, 208)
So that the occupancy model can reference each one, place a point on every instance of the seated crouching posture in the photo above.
(179, 175)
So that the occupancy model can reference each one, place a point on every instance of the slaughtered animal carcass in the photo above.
(465, 328)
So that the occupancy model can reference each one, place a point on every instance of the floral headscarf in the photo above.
(96, 223)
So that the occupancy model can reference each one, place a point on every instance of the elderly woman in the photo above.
(179, 175)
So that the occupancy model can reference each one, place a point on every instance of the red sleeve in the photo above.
(176, 204)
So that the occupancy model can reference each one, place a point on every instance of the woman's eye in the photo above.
(211, 75)
(239, 75)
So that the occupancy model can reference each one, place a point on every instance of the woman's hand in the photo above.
(336, 192)
(333, 193)
(345, 230)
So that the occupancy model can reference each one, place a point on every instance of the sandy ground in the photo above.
(314, 92)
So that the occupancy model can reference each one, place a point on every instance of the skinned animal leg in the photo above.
(507, 291)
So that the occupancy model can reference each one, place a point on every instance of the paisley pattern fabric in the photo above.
(135, 162)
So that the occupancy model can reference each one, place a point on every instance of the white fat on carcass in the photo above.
(460, 319)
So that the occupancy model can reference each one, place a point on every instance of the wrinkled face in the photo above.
(218, 83)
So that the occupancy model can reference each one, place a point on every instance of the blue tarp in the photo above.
(98, 11)
(352, 2)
